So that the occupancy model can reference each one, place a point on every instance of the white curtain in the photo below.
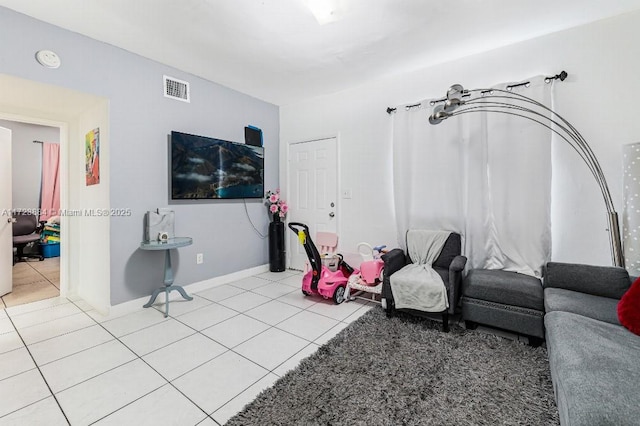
(427, 177)
(484, 175)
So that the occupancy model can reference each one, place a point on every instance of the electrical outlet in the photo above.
(346, 194)
(199, 258)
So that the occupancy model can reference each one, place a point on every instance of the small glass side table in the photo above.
(167, 246)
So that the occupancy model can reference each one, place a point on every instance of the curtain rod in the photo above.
(561, 76)
(38, 142)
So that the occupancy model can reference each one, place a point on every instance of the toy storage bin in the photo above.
(50, 250)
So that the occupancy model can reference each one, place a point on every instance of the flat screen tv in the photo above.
(208, 168)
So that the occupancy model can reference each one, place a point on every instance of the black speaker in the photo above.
(276, 247)
(252, 136)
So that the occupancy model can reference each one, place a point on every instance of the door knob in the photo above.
(332, 214)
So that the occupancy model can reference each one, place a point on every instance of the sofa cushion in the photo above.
(509, 288)
(629, 308)
(607, 281)
(588, 305)
(594, 367)
(450, 250)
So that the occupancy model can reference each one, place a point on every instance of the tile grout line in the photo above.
(58, 335)
(41, 375)
(148, 365)
(40, 274)
(241, 355)
(38, 309)
(89, 378)
(43, 276)
(309, 342)
(73, 353)
(304, 309)
(44, 322)
(272, 371)
(270, 326)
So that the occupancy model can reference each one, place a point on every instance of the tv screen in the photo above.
(207, 168)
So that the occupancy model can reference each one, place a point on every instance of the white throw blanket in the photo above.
(418, 286)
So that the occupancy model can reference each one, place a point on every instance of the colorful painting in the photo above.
(92, 156)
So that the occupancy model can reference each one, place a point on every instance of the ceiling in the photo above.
(277, 51)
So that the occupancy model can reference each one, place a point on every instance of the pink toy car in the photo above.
(329, 281)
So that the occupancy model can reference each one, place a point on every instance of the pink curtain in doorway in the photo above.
(50, 198)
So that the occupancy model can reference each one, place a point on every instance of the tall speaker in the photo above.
(276, 247)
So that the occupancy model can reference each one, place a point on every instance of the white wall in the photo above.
(85, 248)
(94, 230)
(602, 60)
(140, 121)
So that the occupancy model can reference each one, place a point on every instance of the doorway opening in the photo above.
(36, 265)
(85, 241)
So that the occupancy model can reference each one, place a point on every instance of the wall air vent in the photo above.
(176, 89)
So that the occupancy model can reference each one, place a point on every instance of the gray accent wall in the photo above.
(140, 121)
(26, 161)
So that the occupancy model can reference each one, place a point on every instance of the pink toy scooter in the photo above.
(327, 281)
(371, 268)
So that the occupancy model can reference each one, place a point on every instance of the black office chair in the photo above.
(26, 230)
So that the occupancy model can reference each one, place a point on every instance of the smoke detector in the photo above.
(48, 58)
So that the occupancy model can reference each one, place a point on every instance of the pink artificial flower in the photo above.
(284, 207)
(281, 214)
(274, 198)
(273, 208)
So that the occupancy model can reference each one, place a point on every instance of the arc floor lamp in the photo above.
(462, 101)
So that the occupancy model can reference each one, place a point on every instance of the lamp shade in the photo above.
(436, 116)
(455, 92)
(631, 211)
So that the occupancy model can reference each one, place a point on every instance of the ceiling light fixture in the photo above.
(325, 11)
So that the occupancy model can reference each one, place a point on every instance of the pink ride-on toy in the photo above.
(371, 268)
(369, 278)
(329, 280)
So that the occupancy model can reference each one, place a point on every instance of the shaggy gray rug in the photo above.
(405, 371)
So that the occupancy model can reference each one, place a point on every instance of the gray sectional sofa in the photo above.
(595, 362)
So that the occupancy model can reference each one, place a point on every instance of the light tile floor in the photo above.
(62, 363)
(33, 280)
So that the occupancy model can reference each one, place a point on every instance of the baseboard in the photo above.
(134, 305)
(224, 279)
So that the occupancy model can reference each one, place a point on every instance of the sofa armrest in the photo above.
(393, 262)
(455, 281)
(606, 281)
(458, 264)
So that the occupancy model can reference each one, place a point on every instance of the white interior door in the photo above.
(313, 191)
(6, 234)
